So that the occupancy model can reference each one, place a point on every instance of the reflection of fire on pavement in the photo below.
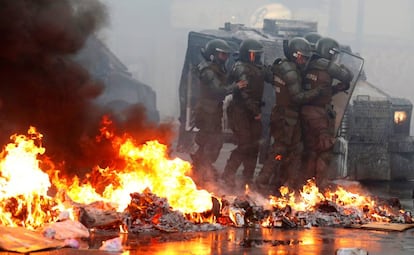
(153, 192)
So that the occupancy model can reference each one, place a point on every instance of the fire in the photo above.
(145, 166)
(23, 185)
(139, 168)
(399, 117)
(310, 197)
(149, 167)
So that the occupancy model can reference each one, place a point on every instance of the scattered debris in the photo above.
(63, 230)
(384, 226)
(351, 251)
(98, 215)
(19, 239)
(72, 243)
(148, 212)
(248, 243)
(114, 244)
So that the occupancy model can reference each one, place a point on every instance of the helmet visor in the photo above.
(256, 57)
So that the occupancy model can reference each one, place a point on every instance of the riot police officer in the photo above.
(244, 111)
(282, 164)
(209, 109)
(318, 115)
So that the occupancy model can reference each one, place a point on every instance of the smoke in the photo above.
(42, 86)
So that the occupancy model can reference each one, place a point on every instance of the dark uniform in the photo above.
(244, 111)
(283, 162)
(209, 110)
(318, 115)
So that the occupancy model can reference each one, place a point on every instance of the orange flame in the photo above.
(278, 157)
(23, 185)
(310, 196)
(145, 166)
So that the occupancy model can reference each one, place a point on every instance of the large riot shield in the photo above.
(189, 89)
(341, 100)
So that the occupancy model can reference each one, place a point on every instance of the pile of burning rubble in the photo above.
(339, 208)
(147, 211)
(152, 192)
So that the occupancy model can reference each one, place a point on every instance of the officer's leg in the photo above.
(212, 151)
(233, 163)
(323, 170)
(272, 162)
(291, 171)
(241, 134)
(324, 149)
(249, 164)
(252, 150)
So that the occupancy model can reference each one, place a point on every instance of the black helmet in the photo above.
(251, 51)
(325, 47)
(297, 48)
(312, 38)
(213, 47)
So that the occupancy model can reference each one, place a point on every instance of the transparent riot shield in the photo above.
(341, 100)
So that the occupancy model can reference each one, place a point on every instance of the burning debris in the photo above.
(153, 192)
(145, 167)
(150, 192)
(148, 212)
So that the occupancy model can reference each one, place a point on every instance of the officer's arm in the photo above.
(341, 73)
(294, 85)
(241, 74)
(216, 86)
(252, 105)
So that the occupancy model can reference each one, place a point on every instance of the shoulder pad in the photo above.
(238, 64)
(238, 67)
(319, 64)
(292, 77)
(284, 66)
(202, 65)
(206, 74)
(340, 72)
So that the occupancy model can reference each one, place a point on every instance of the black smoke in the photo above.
(41, 86)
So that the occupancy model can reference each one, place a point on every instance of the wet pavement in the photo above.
(231, 240)
(278, 241)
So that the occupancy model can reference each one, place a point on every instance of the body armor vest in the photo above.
(212, 88)
(318, 76)
(251, 96)
(284, 71)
